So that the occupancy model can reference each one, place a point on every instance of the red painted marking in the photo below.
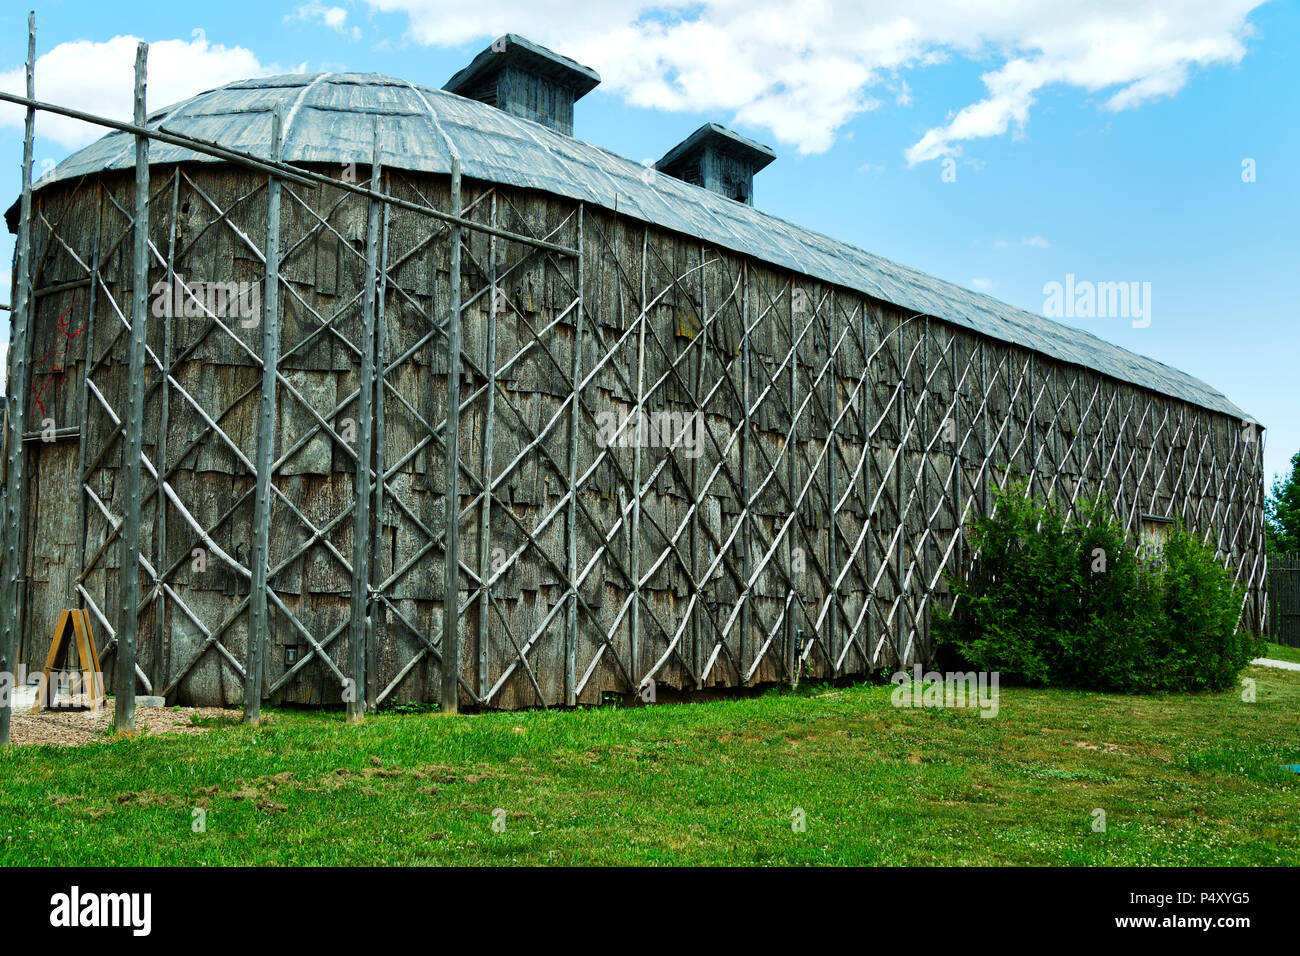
(56, 372)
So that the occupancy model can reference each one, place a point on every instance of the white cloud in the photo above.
(1148, 49)
(804, 70)
(336, 18)
(99, 77)
(982, 284)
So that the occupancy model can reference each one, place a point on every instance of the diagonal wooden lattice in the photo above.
(496, 448)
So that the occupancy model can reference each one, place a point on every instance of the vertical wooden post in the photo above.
(133, 423)
(450, 697)
(16, 396)
(986, 452)
(1056, 428)
(164, 422)
(832, 552)
(376, 622)
(961, 412)
(84, 402)
(701, 355)
(1261, 544)
(1008, 462)
(1256, 593)
(789, 658)
(927, 440)
(746, 615)
(900, 416)
(485, 467)
(571, 530)
(258, 618)
(634, 559)
(359, 625)
(1032, 426)
(868, 462)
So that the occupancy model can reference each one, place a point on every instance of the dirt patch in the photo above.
(1105, 748)
(73, 728)
(147, 798)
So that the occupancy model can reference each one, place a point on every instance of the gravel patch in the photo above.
(1280, 665)
(73, 728)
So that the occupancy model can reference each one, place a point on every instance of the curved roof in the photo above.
(333, 118)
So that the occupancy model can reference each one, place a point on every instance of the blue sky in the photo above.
(1104, 140)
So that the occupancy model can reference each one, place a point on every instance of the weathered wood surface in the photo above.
(873, 437)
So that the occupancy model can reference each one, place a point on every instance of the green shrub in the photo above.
(1201, 610)
(1051, 603)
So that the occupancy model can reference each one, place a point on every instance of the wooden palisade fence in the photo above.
(1284, 599)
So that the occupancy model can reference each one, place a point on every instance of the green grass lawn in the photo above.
(1183, 779)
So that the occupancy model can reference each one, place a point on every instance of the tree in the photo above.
(1282, 512)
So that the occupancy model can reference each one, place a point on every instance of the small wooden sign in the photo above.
(92, 687)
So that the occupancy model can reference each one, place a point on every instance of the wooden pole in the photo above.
(927, 438)
(1032, 426)
(16, 395)
(450, 697)
(832, 551)
(571, 523)
(900, 415)
(868, 463)
(133, 423)
(359, 625)
(485, 467)
(84, 402)
(986, 453)
(791, 477)
(258, 620)
(746, 615)
(700, 338)
(377, 622)
(164, 421)
(634, 557)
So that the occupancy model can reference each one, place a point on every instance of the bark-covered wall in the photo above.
(803, 395)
